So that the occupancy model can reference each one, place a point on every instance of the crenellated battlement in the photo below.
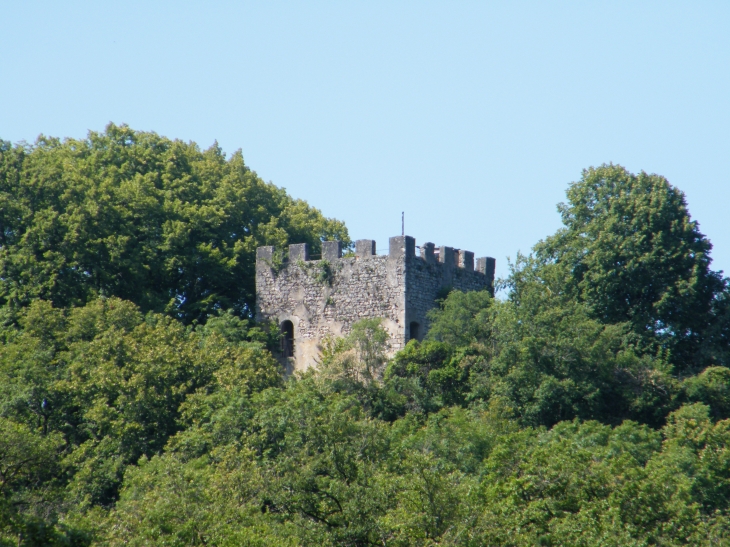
(365, 248)
(311, 298)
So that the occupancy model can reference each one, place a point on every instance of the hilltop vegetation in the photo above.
(130, 214)
(140, 405)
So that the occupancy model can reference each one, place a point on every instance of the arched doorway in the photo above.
(287, 338)
(414, 329)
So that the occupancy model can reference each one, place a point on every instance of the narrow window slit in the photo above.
(414, 331)
(287, 339)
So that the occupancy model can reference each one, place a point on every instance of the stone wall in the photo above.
(428, 281)
(322, 297)
(325, 297)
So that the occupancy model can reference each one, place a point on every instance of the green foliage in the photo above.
(711, 387)
(324, 272)
(429, 376)
(131, 214)
(630, 250)
(360, 357)
(462, 318)
(314, 470)
(104, 385)
(28, 463)
(591, 406)
(544, 357)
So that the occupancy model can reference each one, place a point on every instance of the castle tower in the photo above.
(310, 299)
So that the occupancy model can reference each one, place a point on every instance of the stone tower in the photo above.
(310, 299)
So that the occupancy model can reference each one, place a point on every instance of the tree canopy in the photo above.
(632, 253)
(141, 405)
(132, 214)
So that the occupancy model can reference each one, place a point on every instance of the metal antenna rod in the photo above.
(403, 223)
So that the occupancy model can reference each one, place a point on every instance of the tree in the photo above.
(132, 214)
(112, 381)
(358, 360)
(631, 251)
(27, 461)
(551, 417)
(462, 318)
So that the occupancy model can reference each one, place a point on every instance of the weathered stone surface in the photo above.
(466, 260)
(446, 256)
(325, 297)
(402, 246)
(427, 253)
(486, 265)
(364, 248)
(331, 250)
(299, 251)
(264, 254)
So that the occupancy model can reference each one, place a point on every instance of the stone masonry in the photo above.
(310, 299)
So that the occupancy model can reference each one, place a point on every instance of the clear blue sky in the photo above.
(472, 117)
